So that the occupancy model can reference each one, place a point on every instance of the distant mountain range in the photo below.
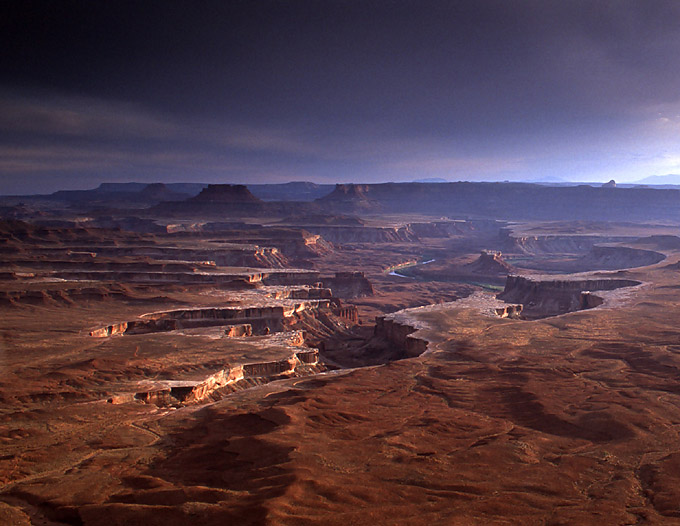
(668, 179)
(652, 180)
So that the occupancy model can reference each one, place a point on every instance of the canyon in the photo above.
(459, 354)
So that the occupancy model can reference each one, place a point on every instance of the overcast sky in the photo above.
(336, 91)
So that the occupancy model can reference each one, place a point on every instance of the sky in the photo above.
(255, 91)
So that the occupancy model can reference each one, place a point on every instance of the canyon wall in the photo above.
(553, 296)
(260, 319)
(400, 334)
(353, 284)
(611, 258)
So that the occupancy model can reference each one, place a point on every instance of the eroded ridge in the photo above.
(300, 362)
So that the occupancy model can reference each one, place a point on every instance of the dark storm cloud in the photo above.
(351, 90)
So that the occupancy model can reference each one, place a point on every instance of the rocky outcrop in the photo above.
(352, 284)
(542, 297)
(511, 311)
(315, 245)
(314, 291)
(347, 312)
(239, 330)
(110, 330)
(590, 300)
(175, 393)
(489, 263)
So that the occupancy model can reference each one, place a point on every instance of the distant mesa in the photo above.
(351, 197)
(226, 193)
(347, 192)
(228, 200)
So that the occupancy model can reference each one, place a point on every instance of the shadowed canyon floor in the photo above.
(237, 373)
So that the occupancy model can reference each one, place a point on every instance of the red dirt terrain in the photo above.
(255, 372)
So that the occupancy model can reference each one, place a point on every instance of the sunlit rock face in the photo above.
(240, 330)
(300, 363)
(511, 311)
